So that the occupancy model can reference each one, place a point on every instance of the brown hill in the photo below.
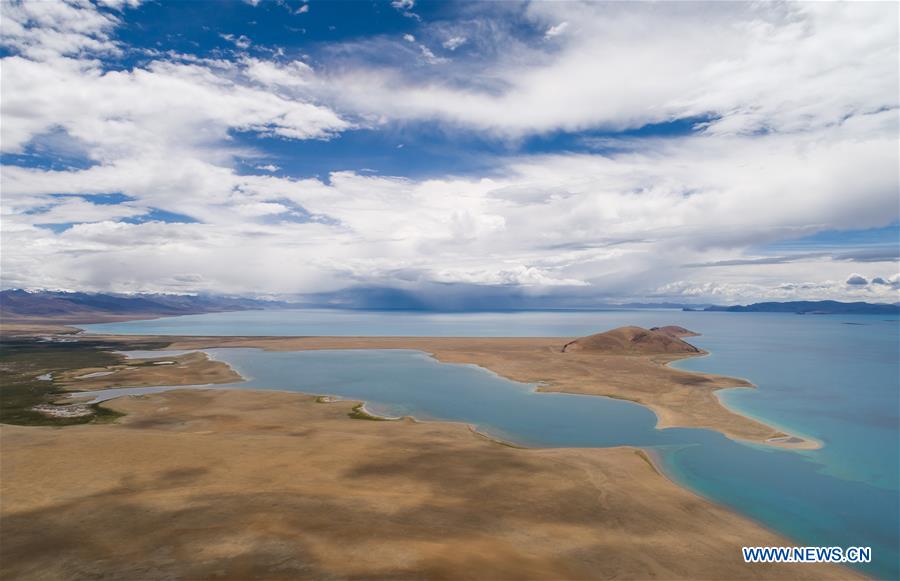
(632, 341)
(675, 331)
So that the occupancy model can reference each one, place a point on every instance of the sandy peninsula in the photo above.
(229, 484)
(194, 368)
(628, 363)
(679, 398)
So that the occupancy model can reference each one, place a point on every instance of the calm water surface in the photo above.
(832, 378)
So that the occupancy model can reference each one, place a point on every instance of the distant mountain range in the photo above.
(90, 307)
(80, 307)
(810, 308)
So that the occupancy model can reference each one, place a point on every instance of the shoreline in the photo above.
(648, 454)
(680, 398)
(138, 408)
(792, 441)
(365, 475)
(714, 415)
(803, 441)
(651, 455)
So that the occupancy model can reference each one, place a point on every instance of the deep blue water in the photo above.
(832, 378)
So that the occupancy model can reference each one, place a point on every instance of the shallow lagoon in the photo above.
(817, 375)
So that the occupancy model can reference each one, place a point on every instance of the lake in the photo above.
(830, 377)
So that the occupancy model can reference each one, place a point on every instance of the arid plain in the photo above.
(256, 484)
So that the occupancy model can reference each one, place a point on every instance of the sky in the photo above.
(541, 153)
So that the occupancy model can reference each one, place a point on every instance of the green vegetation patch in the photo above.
(23, 360)
(104, 415)
(359, 413)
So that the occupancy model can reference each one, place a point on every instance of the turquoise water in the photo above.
(833, 378)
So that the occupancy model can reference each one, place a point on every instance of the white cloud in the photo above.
(427, 54)
(304, 8)
(623, 225)
(405, 7)
(66, 210)
(454, 42)
(119, 4)
(742, 293)
(520, 276)
(556, 30)
(750, 68)
(890, 281)
(403, 4)
(68, 27)
(152, 110)
(239, 41)
(800, 140)
(293, 74)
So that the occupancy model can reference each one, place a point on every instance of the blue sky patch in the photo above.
(157, 215)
